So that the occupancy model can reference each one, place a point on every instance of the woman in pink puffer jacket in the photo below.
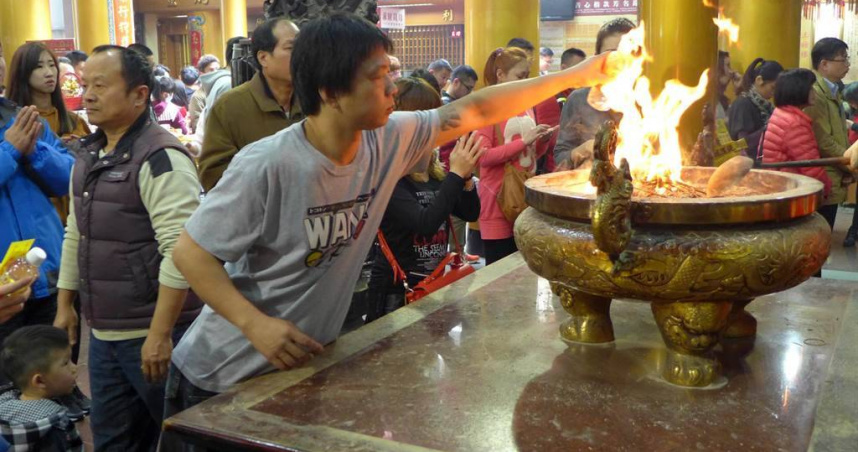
(789, 135)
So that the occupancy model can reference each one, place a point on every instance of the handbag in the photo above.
(510, 197)
(439, 278)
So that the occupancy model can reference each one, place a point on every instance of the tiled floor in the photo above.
(842, 264)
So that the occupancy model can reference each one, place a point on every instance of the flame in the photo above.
(726, 27)
(648, 136)
(709, 4)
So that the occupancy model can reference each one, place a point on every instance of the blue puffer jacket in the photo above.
(25, 210)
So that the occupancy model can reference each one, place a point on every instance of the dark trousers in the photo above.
(499, 249)
(475, 243)
(181, 394)
(127, 411)
(829, 212)
(37, 311)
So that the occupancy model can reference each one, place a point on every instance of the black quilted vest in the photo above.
(118, 255)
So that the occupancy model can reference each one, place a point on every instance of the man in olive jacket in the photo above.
(257, 109)
(831, 63)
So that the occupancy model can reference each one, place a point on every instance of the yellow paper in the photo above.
(16, 250)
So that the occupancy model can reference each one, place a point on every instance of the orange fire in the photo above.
(727, 28)
(648, 136)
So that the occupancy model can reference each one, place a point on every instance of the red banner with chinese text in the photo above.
(122, 22)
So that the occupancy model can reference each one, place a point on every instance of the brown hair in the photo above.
(503, 59)
(414, 94)
(24, 62)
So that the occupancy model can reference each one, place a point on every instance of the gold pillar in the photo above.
(213, 40)
(92, 24)
(769, 29)
(233, 15)
(22, 21)
(683, 42)
(490, 24)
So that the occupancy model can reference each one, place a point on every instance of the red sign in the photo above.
(59, 47)
(121, 14)
(195, 25)
(606, 7)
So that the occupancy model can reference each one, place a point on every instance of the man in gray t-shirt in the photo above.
(295, 214)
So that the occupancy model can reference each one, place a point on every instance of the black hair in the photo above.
(189, 75)
(618, 26)
(827, 49)
(767, 69)
(793, 87)
(206, 61)
(229, 48)
(163, 85)
(440, 64)
(159, 72)
(263, 39)
(350, 37)
(850, 92)
(427, 77)
(29, 350)
(464, 71)
(136, 70)
(545, 51)
(570, 53)
(180, 96)
(164, 68)
(76, 56)
(65, 60)
(521, 43)
(141, 49)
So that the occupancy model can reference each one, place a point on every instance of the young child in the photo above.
(37, 359)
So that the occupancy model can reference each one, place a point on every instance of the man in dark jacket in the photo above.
(133, 188)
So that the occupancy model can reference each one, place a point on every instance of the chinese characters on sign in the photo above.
(195, 26)
(392, 18)
(59, 47)
(121, 21)
(605, 7)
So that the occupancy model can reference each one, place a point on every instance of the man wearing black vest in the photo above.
(133, 187)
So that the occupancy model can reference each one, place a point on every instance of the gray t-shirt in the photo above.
(294, 230)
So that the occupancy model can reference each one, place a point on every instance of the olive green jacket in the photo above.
(832, 134)
(241, 116)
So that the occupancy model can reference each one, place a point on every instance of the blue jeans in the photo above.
(181, 395)
(127, 411)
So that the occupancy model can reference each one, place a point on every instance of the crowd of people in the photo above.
(211, 233)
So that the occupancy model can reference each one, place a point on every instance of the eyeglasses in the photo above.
(842, 60)
(469, 88)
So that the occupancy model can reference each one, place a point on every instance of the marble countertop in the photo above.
(480, 366)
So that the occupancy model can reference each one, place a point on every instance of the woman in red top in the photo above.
(518, 141)
(789, 135)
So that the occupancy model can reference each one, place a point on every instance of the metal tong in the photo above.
(828, 161)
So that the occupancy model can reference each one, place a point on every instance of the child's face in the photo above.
(60, 378)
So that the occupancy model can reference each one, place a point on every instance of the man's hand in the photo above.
(466, 154)
(67, 320)
(11, 302)
(852, 155)
(155, 356)
(281, 342)
(25, 130)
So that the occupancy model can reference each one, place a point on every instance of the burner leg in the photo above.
(591, 316)
(691, 330)
(741, 324)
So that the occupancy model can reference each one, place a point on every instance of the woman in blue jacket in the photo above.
(34, 165)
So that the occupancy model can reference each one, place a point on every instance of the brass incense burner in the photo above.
(697, 261)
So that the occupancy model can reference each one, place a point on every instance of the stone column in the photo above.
(490, 24)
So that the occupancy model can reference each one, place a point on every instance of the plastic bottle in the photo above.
(24, 267)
